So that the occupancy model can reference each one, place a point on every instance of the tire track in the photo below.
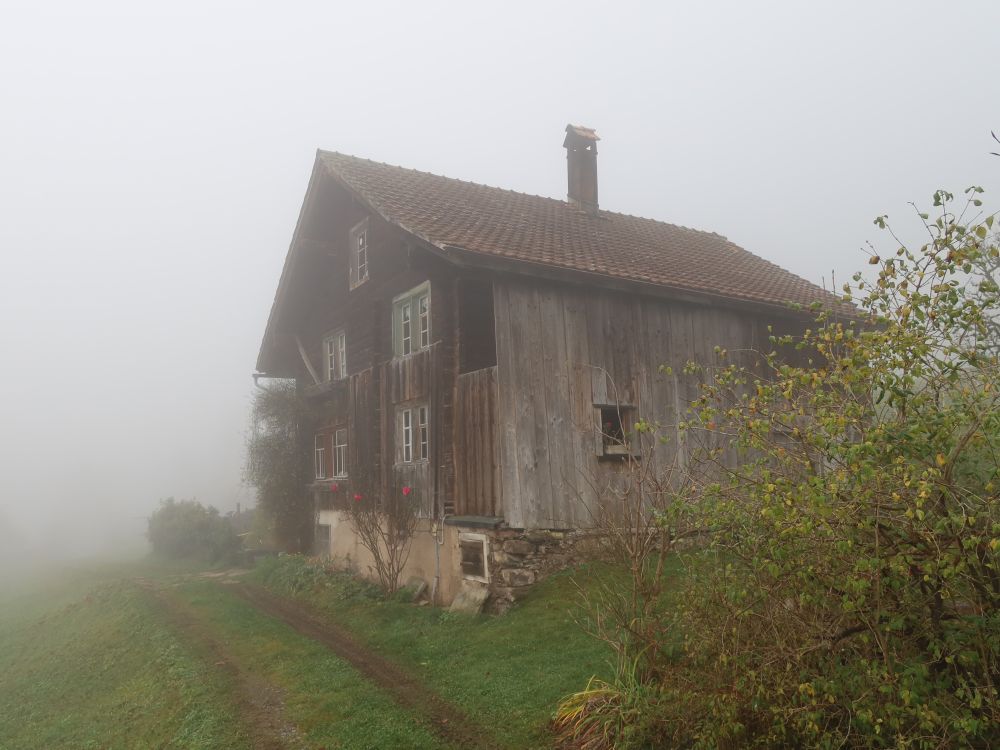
(445, 720)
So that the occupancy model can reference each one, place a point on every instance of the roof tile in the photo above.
(533, 229)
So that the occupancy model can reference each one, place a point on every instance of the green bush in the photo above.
(298, 573)
(187, 529)
(849, 593)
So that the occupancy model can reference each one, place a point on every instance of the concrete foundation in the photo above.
(515, 559)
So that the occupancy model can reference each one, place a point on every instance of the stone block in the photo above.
(470, 599)
(518, 547)
(517, 576)
(416, 587)
(537, 535)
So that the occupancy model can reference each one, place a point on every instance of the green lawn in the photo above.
(330, 703)
(89, 658)
(509, 672)
(105, 672)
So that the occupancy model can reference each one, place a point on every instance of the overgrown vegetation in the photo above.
(385, 528)
(278, 462)
(847, 592)
(187, 529)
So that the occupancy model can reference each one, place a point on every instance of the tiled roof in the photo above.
(532, 229)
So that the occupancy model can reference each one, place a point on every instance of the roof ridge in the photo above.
(557, 201)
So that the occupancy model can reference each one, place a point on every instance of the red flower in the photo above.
(334, 487)
(357, 497)
(407, 490)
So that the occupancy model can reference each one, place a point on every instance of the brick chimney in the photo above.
(581, 160)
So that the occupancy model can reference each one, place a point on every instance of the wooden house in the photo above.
(479, 346)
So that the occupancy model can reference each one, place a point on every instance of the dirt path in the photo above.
(259, 703)
(445, 720)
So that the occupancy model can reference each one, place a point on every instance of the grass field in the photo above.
(87, 662)
(509, 670)
(145, 655)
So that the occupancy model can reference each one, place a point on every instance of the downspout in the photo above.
(438, 509)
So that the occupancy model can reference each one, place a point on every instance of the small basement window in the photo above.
(475, 552)
(613, 432)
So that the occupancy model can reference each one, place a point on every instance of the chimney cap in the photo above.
(579, 133)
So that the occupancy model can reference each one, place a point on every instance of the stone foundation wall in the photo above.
(519, 559)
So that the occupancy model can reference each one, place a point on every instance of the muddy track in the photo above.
(258, 703)
(442, 718)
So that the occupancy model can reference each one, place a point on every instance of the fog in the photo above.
(154, 159)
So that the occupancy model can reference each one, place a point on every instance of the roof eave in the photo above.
(470, 258)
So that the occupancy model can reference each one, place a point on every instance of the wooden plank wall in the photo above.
(477, 456)
(410, 381)
(563, 349)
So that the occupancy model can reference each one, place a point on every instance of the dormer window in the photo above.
(411, 321)
(358, 247)
(335, 355)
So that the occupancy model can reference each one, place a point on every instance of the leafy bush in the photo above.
(849, 593)
(186, 528)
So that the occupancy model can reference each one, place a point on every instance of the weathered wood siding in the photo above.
(379, 383)
(562, 350)
(477, 449)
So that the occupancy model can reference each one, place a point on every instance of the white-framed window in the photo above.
(341, 341)
(319, 456)
(414, 434)
(358, 248)
(475, 552)
(424, 319)
(411, 321)
(335, 355)
(406, 327)
(407, 435)
(422, 433)
(340, 452)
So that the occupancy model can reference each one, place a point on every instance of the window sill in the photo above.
(415, 462)
(414, 353)
(326, 482)
(618, 453)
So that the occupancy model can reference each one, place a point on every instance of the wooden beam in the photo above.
(305, 359)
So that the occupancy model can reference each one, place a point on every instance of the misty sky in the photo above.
(153, 160)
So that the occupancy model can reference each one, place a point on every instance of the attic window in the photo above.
(613, 434)
(358, 247)
(475, 550)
